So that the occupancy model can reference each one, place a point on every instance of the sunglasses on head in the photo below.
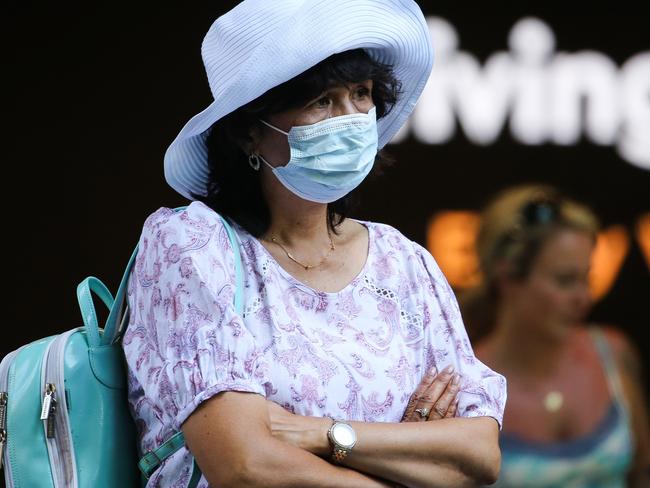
(539, 211)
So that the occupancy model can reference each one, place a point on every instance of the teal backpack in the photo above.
(64, 417)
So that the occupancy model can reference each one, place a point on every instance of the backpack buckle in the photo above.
(149, 463)
(155, 457)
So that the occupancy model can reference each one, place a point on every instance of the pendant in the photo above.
(553, 401)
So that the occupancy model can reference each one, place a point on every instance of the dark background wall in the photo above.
(96, 93)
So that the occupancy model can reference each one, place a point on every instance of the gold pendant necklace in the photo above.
(306, 266)
(553, 401)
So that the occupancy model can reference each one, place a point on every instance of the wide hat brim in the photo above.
(261, 44)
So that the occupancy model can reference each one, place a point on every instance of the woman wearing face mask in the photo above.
(575, 414)
(347, 363)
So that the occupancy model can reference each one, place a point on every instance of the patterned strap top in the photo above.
(598, 459)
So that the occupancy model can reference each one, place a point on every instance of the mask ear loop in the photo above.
(254, 159)
(274, 127)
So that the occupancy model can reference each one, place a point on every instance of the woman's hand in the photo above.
(437, 393)
(308, 433)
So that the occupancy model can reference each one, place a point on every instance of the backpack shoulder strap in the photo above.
(151, 460)
(113, 327)
(239, 271)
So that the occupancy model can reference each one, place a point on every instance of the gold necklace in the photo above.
(306, 266)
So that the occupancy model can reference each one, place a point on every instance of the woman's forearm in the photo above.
(461, 450)
(448, 452)
(230, 438)
(273, 463)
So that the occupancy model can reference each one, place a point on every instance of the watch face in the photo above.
(344, 435)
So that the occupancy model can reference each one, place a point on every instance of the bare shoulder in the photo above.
(618, 339)
(625, 351)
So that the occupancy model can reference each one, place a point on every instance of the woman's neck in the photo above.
(294, 220)
(299, 227)
(516, 346)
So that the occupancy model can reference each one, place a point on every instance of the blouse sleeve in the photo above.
(482, 391)
(185, 343)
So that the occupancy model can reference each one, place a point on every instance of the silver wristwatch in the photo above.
(342, 439)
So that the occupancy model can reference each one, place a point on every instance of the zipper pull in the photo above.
(3, 423)
(50, 419)
(49, 409)
(47, 400)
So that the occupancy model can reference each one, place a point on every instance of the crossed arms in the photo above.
(242, 439)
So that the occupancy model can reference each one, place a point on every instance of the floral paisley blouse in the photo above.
(357, 354)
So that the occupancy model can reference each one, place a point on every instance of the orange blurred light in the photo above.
(451, 238)
(611, 248)
(643, 235)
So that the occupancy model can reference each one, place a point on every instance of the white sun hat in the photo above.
(261, 44)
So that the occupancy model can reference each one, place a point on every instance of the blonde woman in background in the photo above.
(575, 414)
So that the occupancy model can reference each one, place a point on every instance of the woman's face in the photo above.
(555, 294)
(336, 101)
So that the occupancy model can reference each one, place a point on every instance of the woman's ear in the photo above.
(250, 143)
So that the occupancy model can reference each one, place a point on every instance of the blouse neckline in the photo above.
(295, 281)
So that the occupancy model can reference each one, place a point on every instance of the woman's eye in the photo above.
(322, 102)
(362, 92)
(570, 280)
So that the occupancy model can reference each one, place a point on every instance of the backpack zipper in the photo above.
(3, 423)
(48, 389)
(57, 422)
(5, 364)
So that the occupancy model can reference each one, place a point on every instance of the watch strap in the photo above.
(339, 454)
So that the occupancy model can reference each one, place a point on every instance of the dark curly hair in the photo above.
(234, 188)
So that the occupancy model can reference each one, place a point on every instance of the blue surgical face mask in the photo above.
(330, 158)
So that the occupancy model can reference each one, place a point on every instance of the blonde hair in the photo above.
(514, 226)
